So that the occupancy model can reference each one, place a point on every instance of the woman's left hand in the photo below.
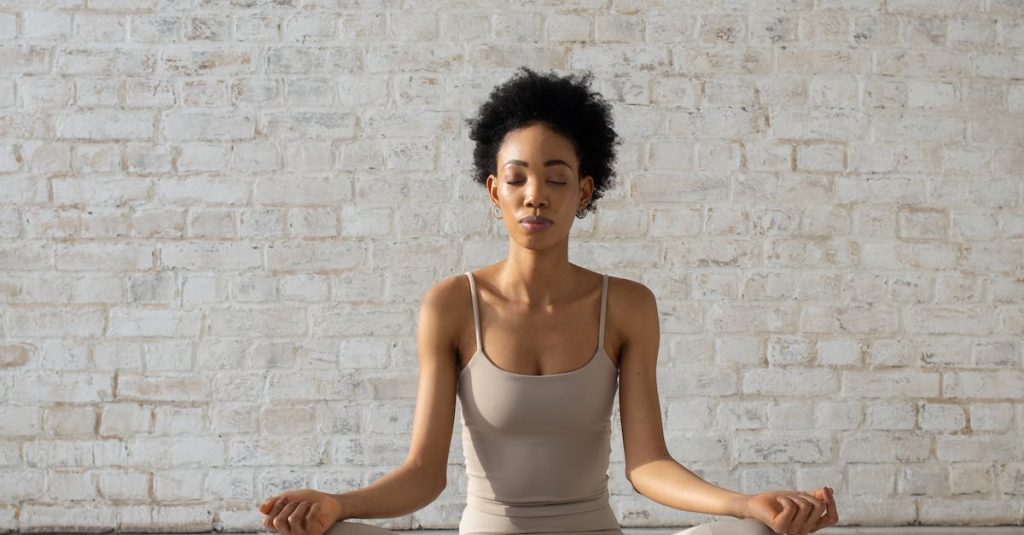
(793, 512)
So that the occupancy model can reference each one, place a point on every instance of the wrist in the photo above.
(739, 507)
(344, 505)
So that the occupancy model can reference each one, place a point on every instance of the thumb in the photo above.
(269, 504)
(819, 493)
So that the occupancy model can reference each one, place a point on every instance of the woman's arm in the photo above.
(649, 467)
(406, 489)
(423, 476)
(670, 483)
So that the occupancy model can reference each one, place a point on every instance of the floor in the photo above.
(907, 530)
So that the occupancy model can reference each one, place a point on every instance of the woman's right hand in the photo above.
(301, 512)
(792, 512)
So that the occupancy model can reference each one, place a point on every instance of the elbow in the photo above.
(629, 477)
(431, 477)
(437, 481)
(432, 490)
(638, 470)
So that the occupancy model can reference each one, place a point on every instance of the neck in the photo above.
(536, 278)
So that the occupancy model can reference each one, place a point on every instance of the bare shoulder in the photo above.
(629, 291)
(632, 309)
(446, 306)
(630, 296)
(436, 341)
(452, 290)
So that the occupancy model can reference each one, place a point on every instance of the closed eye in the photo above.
(550, 181)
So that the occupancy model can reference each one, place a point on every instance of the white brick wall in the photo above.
(217, 218)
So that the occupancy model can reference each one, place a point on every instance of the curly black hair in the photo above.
(564, 104)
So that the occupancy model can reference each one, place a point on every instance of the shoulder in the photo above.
(451, 291)
(445, 309)
(633, 309)
(630, 294)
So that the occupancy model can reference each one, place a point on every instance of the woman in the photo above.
(515, 341)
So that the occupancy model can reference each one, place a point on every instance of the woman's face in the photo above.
(538, 175)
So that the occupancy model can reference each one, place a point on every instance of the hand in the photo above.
(301, 512)
(793, 512)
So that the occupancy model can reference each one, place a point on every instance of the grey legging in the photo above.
(732, 526)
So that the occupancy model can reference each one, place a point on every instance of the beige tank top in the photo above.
(537, 445)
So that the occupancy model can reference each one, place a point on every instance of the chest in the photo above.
(540, 343)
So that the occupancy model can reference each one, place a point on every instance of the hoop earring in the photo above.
(496, 212)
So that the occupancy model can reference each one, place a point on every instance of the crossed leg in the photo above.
(732, 526)
(348, 527)
(744, 526)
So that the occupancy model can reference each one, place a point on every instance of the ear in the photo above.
(492, 189)
(586, 189)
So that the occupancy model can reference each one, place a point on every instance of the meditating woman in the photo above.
(535, 348)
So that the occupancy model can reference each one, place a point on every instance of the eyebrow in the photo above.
(546, 164)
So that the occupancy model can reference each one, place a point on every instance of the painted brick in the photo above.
(218, 223)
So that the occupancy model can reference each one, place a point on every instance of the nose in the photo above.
(535, 194)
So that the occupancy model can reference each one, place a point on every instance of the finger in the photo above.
(275, 518)
(265, 506)
(819, 511)
(831, 515)
(819, 496)
(278, 505)
(803, 512)
(297, 519)
(313, 520)
(281, 520)
(822, 517)
(784, 519)
(817, 506)
(806, 519)
(272, 514)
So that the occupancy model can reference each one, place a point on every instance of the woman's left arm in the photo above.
(650, 468)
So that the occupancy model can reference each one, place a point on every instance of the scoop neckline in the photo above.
(479, 352)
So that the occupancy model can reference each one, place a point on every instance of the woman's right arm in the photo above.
(421, 478)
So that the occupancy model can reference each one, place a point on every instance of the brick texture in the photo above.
(217, 218)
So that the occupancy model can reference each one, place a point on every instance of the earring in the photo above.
(496, 212)
(582, 212)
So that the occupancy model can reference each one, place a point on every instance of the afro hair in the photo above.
(564, 104)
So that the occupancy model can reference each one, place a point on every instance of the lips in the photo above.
(535, 223)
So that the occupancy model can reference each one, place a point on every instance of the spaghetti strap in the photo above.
(476, 312)
(508, 417)
(604, 301)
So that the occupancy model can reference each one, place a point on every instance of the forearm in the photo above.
(405, 489)
(670, 483)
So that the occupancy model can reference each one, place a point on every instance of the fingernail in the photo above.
(284, 501)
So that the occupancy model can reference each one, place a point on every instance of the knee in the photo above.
(347, 527)
(744, 526)
(753, 527)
